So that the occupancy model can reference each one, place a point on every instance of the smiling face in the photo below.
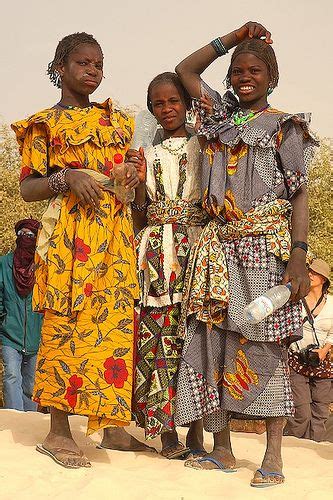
(250, 80)
(83, 71)
(169, 108)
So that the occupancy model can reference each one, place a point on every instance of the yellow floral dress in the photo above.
(87, 285)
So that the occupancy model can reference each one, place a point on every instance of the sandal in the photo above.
(175, 451)
(267, 479)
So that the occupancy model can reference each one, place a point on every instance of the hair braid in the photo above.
(64, 48)
(263, 51)
(169, 77)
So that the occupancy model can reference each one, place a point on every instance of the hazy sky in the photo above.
(143, 38)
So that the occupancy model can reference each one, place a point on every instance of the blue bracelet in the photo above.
(219, 47)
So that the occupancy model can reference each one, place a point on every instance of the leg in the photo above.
(299, 424)
(171, 447)
(270, 472)
(116, 438)
(60, 445)
(194, 438)
(28, 378)
(222, 456)
(12, 379)
(320, 392)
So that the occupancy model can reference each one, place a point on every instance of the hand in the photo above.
(253, 30)
(131, 176)
(322, 353)
(206, 103)
(137, 158)
(297, 274)
(87, 190)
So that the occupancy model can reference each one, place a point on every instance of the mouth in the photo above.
(246, 89)
(169, 119)
(90, 83)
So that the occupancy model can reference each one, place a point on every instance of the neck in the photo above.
(179, 132)
(71, 98)
(254, 105)
(315, 293)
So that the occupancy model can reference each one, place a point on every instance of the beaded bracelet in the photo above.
(57, 181)
(140, 208)
(218, 47)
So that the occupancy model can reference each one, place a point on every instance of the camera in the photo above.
(308, 357)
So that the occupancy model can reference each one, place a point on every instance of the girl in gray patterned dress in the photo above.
(254, 185)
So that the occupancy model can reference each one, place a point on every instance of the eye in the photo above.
(235, 71)
(82, 63)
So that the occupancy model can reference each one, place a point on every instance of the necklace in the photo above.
(240, 117)
(175, 151)
(68, 106)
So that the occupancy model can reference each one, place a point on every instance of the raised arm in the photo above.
(190, 69)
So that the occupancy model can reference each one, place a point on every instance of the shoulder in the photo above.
(43, 119)
(118, 117)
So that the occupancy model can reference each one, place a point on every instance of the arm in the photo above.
(2, 307)
(296, 272)
(137, 158)
(190, 69)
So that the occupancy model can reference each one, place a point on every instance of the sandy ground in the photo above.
(26, 474)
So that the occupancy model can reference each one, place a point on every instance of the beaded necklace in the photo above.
(76, 108)
(174, 151)
(240, 117)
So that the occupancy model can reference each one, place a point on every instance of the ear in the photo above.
(61, 69)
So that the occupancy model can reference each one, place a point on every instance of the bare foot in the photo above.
(116, 438)
(223, 456)
(65, 451)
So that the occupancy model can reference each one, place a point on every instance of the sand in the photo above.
(26, 474)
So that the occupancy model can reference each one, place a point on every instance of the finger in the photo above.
(251, 30)
(134, 182)
(92, 197)
(97, 189)
(268, 37)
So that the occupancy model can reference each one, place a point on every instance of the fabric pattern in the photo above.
(250, 173)
(175, 219)
(87, 284)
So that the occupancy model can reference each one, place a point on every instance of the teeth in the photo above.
(247, 88)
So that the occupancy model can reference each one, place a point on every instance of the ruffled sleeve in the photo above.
(32, 139)
(295, 148)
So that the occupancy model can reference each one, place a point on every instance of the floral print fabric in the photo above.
(87, 285)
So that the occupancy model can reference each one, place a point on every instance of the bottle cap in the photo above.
(118, 158)
(288, 285)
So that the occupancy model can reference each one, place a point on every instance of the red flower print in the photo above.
(25, 172)
(56, 141)
(104, 121)
(81, 250)
(108, 166)
(75, 164)
(72, 391)
(116, 372)
(88, 289)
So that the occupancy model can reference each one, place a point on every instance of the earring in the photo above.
(270, 89)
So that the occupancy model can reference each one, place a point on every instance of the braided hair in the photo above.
(263, 51)
(169, 77)
(64, 48)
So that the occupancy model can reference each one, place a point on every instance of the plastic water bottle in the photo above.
(145, 130)
(267, 303)
(124, 195)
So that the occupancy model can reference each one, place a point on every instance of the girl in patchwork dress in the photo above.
(172, 196)
(254, 182)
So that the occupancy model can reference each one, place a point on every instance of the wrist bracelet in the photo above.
(218, 47)
(300, 244)
(57, 181)
(140, 208)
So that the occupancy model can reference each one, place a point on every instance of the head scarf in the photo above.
(23, 262)
(263, 51)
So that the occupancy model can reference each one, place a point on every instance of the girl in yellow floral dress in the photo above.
(85, 277)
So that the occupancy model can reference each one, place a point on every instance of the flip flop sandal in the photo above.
(177, 453)
(195, 454)
(51, 454)
(220, 466)
(268, 479)
(149, 449)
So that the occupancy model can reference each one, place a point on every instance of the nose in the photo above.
(91, 70)
(166, 108)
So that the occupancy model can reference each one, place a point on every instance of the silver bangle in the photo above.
(140, 208)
